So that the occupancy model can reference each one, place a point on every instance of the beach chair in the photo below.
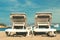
(19, 25)
(43, 23)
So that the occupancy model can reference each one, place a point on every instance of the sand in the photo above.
(37, 37)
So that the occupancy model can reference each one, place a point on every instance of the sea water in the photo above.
(57, 28)
(3, 29)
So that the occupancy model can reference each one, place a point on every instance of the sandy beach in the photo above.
(37, 37)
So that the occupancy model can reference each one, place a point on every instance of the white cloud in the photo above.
(17, 6)
(54, 10)
(13, 0)
(29, 3)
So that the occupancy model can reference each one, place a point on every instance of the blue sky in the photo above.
(30, 7)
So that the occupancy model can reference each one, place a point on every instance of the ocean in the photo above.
(3, 29)
(57, 28)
